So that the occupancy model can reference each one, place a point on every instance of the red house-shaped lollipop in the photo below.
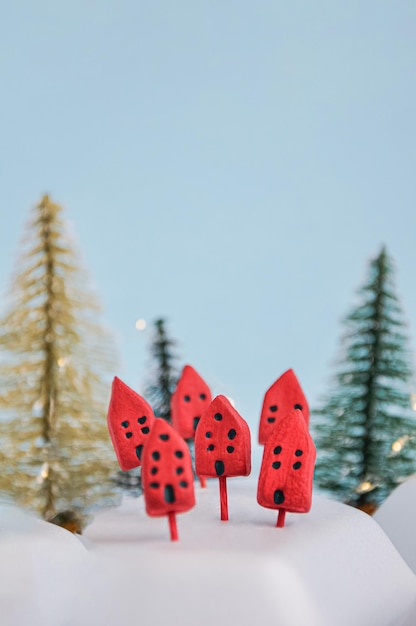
(284, 395)
(167, 475)
(222, 446)
(287, 468)
(190, 399)
(130, 419)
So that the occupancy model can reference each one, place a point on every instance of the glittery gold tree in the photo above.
(55, 375)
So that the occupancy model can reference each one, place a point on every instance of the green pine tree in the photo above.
(365, 430)
(164, 371)
(55, 378)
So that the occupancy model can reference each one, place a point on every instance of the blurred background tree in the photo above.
(365, 429)
(56, 361)
(164, 372)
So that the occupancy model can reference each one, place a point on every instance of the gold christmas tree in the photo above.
(55, 370)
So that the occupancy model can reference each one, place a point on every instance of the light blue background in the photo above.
(228, 165)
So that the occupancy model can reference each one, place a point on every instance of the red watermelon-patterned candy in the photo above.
(167, 475)
(285, 394)
(222, 446)
(190, 399)
(130, 419)
(286, 474)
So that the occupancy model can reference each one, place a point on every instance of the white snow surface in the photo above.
(397, 517)
(331, 567)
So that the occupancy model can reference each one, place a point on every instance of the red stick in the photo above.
(223, 498)
(202, 481)
(281, 518)
(172, 526)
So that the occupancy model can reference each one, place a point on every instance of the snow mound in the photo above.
(38, 569)
(397, 517)
(332, 566)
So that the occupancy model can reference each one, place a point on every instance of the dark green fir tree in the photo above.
(56, 360)
(164, 373)
(365, 430)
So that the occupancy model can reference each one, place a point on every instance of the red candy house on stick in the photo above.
(284, 395)
(130, 419)
(286, 474)
(167, 474)
(222, 446)
(190, 399)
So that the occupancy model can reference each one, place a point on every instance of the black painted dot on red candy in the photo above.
(169, 494)
(208, 434)
(230, 449)
(278, 496)
(187, 398)
(164, 437)
(145, 430)
(218, 417)
(232, 433)
(129, 435)
(297, 465)
(179, 454)
(142, 420)
(156, 455)
(154, 470)
(183, 484)
(298, 406)
(203, 396)
(273, 408)
(277, 450)
(298, 452)
(219, 468)
(210, 448)
(179, 470)
(124, 424)
(276, 465)
(271, 420)
(154, 485)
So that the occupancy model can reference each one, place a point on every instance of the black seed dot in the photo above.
(128, 435)
(183, 483)
(145, 430)
(210, 448)
(232, 433)
(164, 437)
(139, 450)
(179, 454)
(219, 468)
(203, 396)
(277, 450)
(297, 465)
(208, 434)
(169, 494)
(271, 420)
(187, 398)
(196, 422)
(299, 406)
(278, 496)
(156, 455)
(124, 424)
(154, 470)
(298, 452)
(142, 420)
(154, 485)
(276, 465)
(179, 470)
(273, 408)
(230, 449)
(218, 417)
